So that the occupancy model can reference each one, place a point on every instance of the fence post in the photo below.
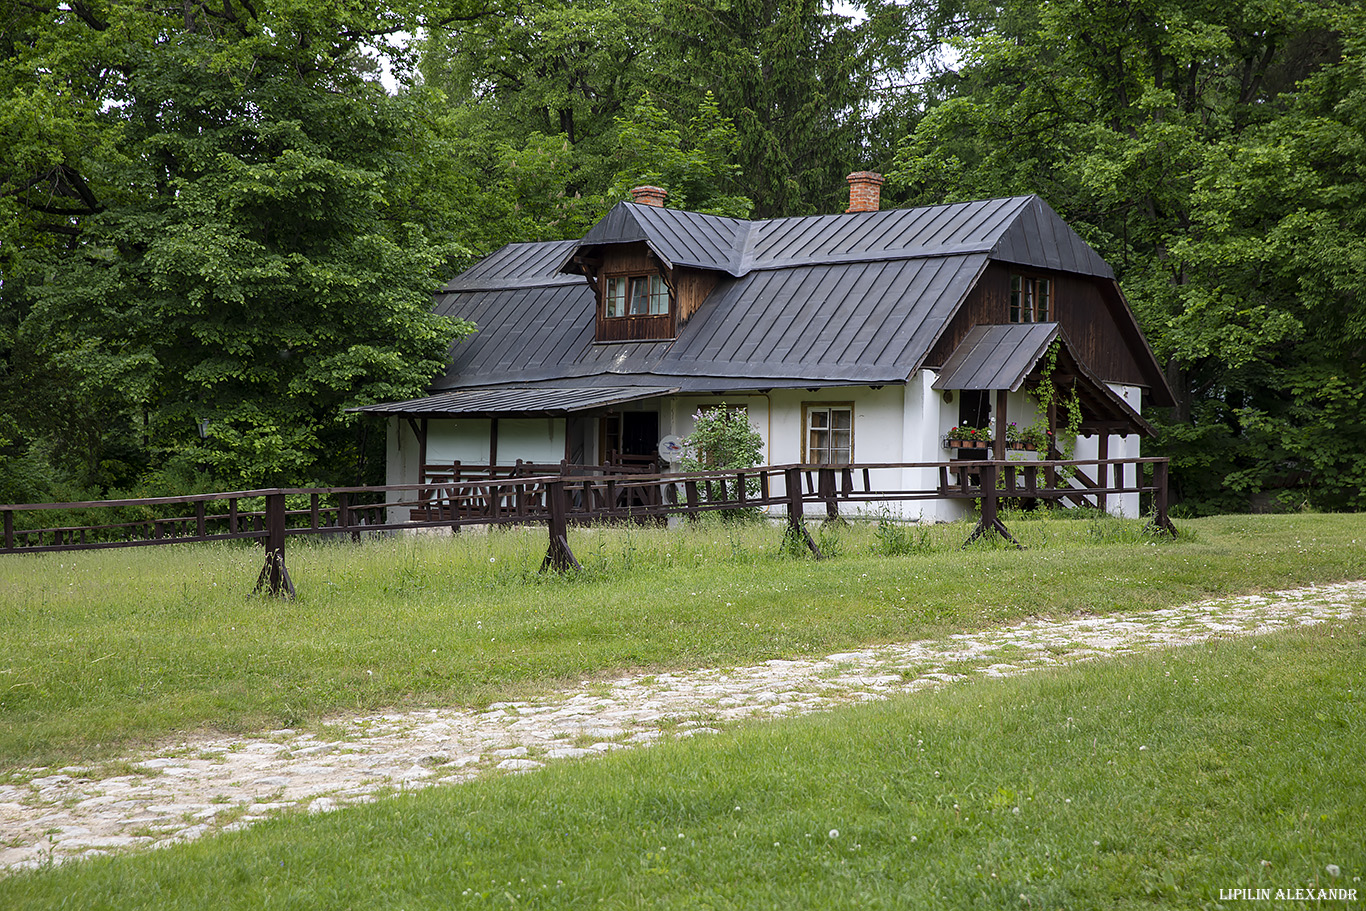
(1161, 476)
(9, 529)
(796, 528)
(274, 576)
(825, 483)
(558, 556)
(991, 519)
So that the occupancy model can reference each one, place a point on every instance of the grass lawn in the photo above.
(1155, 781)
(101, 651)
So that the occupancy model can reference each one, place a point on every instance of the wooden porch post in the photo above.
(998, 449)
(1104, 474)
(1050, 475)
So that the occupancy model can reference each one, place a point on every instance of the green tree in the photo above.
(797, 80)
(804, 88)
(1212, 153)
(248, 236)
(694, 163)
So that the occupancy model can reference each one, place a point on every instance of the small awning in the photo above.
(996, 357)
(517, 401)
(1004, 356)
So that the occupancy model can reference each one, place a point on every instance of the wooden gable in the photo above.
(1090, 310)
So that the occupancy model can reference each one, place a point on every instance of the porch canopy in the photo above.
(1003, 357)
(516, 401)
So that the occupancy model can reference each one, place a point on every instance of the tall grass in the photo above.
(1152, 781)
(107, 649)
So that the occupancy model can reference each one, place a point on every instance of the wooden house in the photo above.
(864, 336)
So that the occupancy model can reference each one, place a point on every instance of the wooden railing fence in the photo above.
(559, 500)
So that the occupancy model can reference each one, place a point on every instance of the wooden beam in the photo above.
(1002, 421)
(1103, 452)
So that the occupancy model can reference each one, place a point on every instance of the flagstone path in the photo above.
(205, 785)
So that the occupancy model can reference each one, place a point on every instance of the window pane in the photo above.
(616, 296)
(1045, 292)
(640, 296)
(818, 445)
(830, 436)
(659, 296)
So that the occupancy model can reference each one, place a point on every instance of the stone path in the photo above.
(207, 785)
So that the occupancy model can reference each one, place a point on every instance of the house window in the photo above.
(636, 295)
(829, 434)
(1031, 299)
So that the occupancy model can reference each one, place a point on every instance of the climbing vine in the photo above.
(1047, 394)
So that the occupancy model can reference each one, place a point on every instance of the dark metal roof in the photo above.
(868, 322)
(679, 238)
(1018, 229)
(519, 400)
(1038, 236)
(996, 357)
(1002, 357)
(526, 265)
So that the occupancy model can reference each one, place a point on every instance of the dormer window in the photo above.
(636, 295)
(634, 307)
(1031, 299)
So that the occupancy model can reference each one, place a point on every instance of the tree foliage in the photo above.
(558, 83)
(1213, 153)
(214, 217)
(722, 438)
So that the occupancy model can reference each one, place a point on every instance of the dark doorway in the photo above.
(639, 433)
(974, 408)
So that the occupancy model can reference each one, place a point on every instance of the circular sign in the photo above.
(671, 448)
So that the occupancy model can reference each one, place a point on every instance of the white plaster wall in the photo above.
(529, 439)
(1121, 447)
(928, 419)
(465, 439)
(400, 465)
(879, 416)
(891, 424)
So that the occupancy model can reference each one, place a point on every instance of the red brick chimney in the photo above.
(865, 191)
(649, 196)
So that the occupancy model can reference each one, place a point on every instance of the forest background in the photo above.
(219, 229)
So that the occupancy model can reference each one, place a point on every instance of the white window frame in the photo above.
(827, 449)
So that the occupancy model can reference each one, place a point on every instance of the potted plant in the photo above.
(1034, 438)
(967, 438)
